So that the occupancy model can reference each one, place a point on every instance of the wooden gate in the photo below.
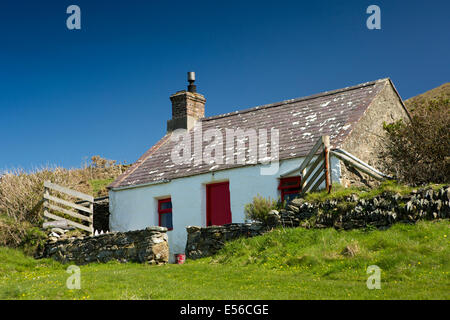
(52, 205)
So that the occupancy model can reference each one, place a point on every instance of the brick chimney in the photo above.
(187, 107)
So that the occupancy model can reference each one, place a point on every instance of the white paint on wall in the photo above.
(335, 165)
(137, 208)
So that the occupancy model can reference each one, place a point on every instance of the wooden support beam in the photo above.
(358, 166)
(311, 154)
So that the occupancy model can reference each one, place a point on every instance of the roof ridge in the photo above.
(289, 101)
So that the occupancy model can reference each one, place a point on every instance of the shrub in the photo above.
(260, 207)
(12, 232)
(33, 241)
(418, 152)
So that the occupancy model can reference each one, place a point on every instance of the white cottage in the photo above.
(204, 170)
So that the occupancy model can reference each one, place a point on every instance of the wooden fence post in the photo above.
(46, 194)
(326, 145)
(91, 215)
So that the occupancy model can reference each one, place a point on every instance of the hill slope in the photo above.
(421, 99)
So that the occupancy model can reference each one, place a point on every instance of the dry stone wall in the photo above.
(349, 213)
(204, 242)
(379, 212)
(145, 246)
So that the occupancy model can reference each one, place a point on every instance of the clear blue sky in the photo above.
(69, 94)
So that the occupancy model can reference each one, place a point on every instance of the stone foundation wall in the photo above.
(349, 213)
(145, 246)
(204, 242)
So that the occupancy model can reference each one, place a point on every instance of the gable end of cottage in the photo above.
(365, 141)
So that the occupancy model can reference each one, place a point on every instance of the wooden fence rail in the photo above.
(84, 213)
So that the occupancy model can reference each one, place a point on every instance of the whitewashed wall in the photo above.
(137, 208)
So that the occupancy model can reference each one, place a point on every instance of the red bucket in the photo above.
(180, 258)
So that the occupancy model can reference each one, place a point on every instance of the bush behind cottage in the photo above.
(259, 209)
(418, 152)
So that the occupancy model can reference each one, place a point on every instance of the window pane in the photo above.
(166, 205)
(166, 220)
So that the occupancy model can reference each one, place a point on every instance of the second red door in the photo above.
(218, 210)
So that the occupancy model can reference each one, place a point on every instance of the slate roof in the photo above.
(300, 123)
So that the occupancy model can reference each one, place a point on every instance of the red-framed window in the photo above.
(165, 213)
(290, 187)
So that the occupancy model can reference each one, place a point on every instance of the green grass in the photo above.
(284, 264)
(339, 192)
(99, 186)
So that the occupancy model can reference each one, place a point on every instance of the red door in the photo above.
(218, 210)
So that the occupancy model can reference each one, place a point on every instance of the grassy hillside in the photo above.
(442, 91)
(284, 264)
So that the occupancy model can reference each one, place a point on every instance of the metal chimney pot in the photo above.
(191, 76)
